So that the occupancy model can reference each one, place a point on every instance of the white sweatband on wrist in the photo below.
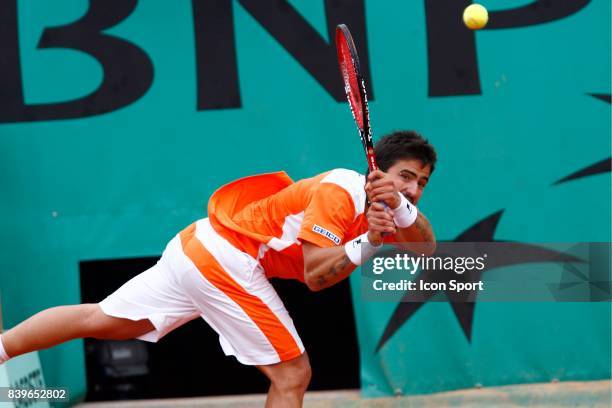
(405, 214)
(3, 356)
(359, 249)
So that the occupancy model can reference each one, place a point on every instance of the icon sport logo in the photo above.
(327, 234)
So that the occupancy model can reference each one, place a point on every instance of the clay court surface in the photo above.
(562, 394)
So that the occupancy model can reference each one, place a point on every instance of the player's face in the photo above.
(410, 177)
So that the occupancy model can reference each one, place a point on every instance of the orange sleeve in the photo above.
(328, 217)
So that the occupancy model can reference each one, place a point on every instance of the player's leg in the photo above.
(59, 324)
(288, 381)
(234, 296)
(147, 307)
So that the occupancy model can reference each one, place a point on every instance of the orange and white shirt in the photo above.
(219, 267)
(268, 216)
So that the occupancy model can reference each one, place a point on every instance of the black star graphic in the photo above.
(596, 278)
(602, 97)
(464, 303)
(603, 166)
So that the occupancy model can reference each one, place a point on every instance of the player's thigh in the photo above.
(103, 326)
(151, 300)
(252, 323)
(233, 295)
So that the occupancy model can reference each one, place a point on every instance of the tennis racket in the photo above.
(354, 86)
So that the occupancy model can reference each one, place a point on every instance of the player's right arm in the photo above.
(326, 266)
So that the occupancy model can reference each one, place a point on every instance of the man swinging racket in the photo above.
(316, 230)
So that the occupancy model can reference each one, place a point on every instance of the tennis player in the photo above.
(316, 230)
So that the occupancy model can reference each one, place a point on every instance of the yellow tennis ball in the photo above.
(475, 17)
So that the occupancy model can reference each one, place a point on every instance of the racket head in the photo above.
(354, 87)
(348, 61)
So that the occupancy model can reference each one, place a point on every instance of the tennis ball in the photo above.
(475, 17)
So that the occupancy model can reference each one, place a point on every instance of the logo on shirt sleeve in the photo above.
(327, 234)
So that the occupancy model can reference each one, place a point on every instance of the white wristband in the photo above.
(359, 249)
(3, 356)
(405, 214)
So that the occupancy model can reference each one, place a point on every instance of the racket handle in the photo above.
(371, 159)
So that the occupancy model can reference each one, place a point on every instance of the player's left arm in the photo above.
(418, 236)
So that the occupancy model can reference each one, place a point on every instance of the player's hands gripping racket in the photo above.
(355, 89)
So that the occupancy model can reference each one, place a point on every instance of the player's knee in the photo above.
(304, 377)
(102, 326)
(94, 323)
(294, 378)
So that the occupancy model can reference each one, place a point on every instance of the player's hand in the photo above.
(380, 222)
(381, 188)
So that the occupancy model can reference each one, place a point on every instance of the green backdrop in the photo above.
(122, 183)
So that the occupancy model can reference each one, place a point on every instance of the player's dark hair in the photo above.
(402, 145)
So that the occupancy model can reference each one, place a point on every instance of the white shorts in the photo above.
(202, 274)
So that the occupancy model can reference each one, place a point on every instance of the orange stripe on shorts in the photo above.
(274, 330)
